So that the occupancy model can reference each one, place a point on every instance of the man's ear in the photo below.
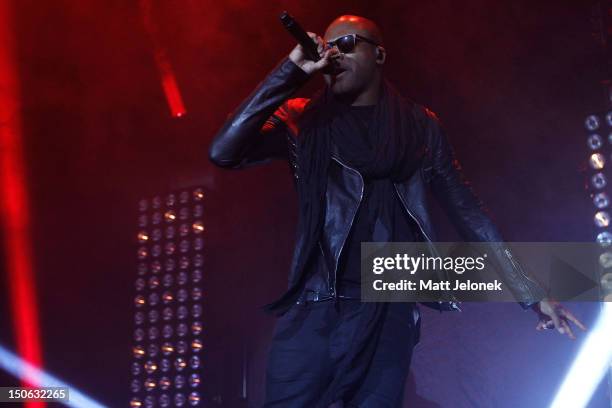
(381, 55)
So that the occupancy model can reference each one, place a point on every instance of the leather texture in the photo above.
(266, 127)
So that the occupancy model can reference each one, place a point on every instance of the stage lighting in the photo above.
(605, 260)
(198, 194)
(153, 299)
(591, 122)
(184, 246)
(168, 301)
(598, 180)
(604, 238)
(170, 248)
(184, 213)
(170, 232)
(590, 366)
(182, 278)
(602, 219)
(196, 310)
(171, 200)
(153, 282)
(170, 216)
(181, 312)
(184, 197)
(142, 268)
(164, 383)
(143, 205)
(142, 253)
(138, 351)
(601, 200)
(194, 380)
(606, 280)
(594, 142)
(594, 359)
(153, 317)
(597, 161)
(198, 227)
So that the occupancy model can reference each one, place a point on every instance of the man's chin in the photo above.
(340, 88)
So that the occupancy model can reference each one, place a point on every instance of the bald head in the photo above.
(349, 24)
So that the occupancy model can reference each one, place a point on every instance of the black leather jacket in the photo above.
(265, 127)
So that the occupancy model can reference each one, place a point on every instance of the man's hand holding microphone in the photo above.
(299, 58)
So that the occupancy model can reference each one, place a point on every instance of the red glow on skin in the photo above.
(14, 209)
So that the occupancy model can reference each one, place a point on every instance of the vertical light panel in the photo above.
(168, 302)
(593, 361)
(15, 207)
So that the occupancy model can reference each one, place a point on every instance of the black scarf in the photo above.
(397, 152)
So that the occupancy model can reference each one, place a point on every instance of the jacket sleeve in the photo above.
(253, 133)
(469, 216)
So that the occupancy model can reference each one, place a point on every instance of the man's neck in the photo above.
(370, 95)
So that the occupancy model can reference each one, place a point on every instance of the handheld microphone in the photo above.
(307, 43)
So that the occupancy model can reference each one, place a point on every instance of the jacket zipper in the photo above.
(410, 214)
(405, 206)
(333, 288)
(519, 269)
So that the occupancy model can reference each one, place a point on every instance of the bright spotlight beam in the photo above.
(18, 367)
(590, 366)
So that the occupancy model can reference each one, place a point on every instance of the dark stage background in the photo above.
(512, 80)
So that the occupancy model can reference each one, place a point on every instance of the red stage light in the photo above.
(15, 206)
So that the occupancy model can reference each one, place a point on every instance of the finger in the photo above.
(573, 318)
(557, 322)
(568, 330)
(320, 45)
(322, 63)
(545, 323)
(336, 54)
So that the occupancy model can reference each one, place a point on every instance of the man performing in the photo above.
(362, 157)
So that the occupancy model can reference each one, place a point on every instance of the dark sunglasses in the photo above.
(346, 43)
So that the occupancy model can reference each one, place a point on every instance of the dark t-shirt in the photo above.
(382, 219)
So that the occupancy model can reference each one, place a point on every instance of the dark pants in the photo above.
(309, 340)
